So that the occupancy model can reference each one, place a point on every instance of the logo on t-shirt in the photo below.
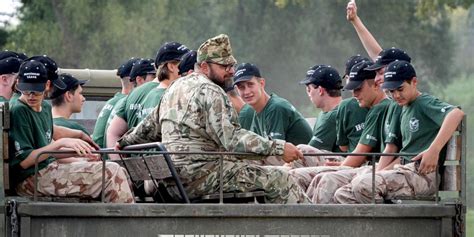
(359, 126)
(48, 135)
(275, 134)
(443, 110)
(414, 124)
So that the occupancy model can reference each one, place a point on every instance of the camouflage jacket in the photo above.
(196, 115)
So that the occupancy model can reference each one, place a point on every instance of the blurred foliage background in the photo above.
(283, 37)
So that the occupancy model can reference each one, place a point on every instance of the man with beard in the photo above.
(196, 115)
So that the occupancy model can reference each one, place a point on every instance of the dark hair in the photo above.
(163, 72)
(57, 101)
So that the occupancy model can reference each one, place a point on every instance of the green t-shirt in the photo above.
(101, 122)
(324, 136)
(150, 102)
(374, 134)
(279, 120)
(14, 99)
(119, 106)
(60, 121)
(420, 123)
(350, 119)
(134, 103)
(246, 116)
(30, 130)
(392, 124)
(3, 99)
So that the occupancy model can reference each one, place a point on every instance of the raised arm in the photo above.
(368, 41)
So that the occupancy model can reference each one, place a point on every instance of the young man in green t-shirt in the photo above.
(67, 101)
(32, 132)
(124, 73)
(426, 124)
(350, 117)
(168, 59)
(143, 77)
(369, 95)
(271, 115)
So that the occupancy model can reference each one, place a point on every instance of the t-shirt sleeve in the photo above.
(341, 134)
(21, 137)
(370, 134)
(437, 110)
(120, 108)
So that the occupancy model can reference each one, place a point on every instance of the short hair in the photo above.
(58, 101)
(163, 72)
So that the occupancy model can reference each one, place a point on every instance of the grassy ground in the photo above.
(470, 223)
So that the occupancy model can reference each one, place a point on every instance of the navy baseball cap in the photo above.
(387, 56)
(187, 61)
(170, 51)
(32, 76)
(125, 69)
(323, 75)
(70, 82)
(245, 72)
(51, 68)
(7, 53)
(396, 73)
(10, 65)
(142, 67)
(358, 75)
(353, 60)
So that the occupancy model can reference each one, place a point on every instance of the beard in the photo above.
(216, 79)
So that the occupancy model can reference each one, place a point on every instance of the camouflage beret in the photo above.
(216, 50)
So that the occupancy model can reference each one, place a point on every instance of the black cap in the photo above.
(70, 83)
(125, 69)
(353, 60)
(32, 76)
(52, 69)
(7, 54)
(387, 56)
(10, 65)
(358, 74)
(245, 72)
(170, 51)
(142, 67)
(187, 61)
(323, 75)
(396, 73)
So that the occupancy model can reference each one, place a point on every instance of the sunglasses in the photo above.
(35, 93)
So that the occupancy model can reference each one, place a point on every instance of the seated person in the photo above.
(210, 123)
(268, 115)
(68, 101)
(32, 132)
(426, 124)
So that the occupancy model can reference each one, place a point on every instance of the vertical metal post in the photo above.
(373, 179)
(221, 180)
(102, 198)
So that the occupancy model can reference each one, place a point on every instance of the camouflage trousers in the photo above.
(81, 179)
(304, 176)
(305, 170)
(241, 176)
(403, 180)
(323, 187)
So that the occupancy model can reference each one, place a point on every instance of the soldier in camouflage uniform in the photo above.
(32, 131)
(195, 115)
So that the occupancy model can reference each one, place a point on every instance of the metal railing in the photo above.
(138, 150)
